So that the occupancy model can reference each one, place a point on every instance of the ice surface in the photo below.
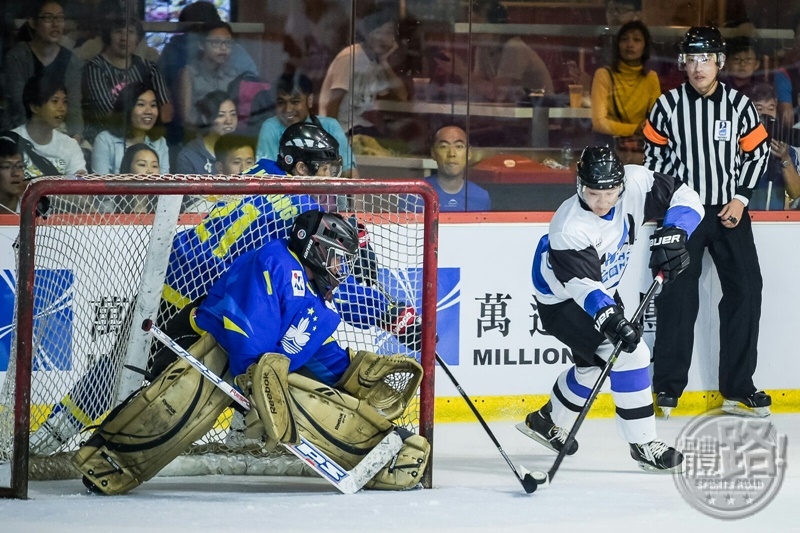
(599, 489)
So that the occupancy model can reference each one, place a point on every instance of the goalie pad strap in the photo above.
(266, 383)
(156, 424)
(387, 383)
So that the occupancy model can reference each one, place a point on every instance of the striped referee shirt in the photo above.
(716, 145)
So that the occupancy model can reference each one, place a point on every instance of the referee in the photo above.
(710, 136)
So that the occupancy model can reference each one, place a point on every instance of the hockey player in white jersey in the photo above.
(576, 270)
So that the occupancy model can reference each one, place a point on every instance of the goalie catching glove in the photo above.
(668, 252)
(611, 322)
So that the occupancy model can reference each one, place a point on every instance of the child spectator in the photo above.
(211, 70)
(45, 101)
(234, 153)
(140, 159)
(294, 102)
(217, 117)
(12, 172)
(106, 74)
(43, 56)
(741, 65)
(134, 119)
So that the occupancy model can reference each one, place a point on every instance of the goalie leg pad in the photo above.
(266, 384)
(406, 468)
(156, 424)
(343, 427)
(387, 383)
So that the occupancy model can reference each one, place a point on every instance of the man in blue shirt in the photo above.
(449, 150)
(295, 97)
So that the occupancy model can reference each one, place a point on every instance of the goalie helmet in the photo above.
(327, 244)
(310, 144)
(599, 168)
(702, 40)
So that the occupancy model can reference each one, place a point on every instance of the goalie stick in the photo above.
(347, 481)
(547, 477)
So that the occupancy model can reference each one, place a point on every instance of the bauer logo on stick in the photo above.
(734, 465)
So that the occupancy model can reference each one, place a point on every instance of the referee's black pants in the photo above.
(734, 254)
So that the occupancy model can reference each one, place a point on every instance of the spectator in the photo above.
(234, 153)
(710, 137)
(780, 184)
(211, 70)
(12, 173)
(45, 101)
(624, 93)
(217, 117)
(506, 69)
(741, 64)
(360, 73)
(620, 12)
(134, 119)
(113, 68)
(294, 102)
(91, 47)
(456, 194)
(43, 56)
(140, 159)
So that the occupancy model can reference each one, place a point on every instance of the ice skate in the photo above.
(756, 405)
(656, 456)
(666, 403)
(540, 427)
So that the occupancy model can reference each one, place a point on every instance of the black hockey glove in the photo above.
(668, 252)
(365, 268)
(611, 322)
(403, 322)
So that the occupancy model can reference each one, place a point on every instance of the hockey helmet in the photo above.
(599, 168)
(310, 144)
(327, 244)
(702, 40)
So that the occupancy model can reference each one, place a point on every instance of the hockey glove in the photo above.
(403, 322)
(611, 322)
(365, 268)
(668, 252)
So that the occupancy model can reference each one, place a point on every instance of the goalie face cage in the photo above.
(102, 261)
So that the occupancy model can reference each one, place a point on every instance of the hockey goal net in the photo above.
(113, 251)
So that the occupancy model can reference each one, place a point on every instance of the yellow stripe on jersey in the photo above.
(249, 214)
(222, 211)
(76, 411)
(228, 324)
(268, 281)
(328, 341)
(174, 297)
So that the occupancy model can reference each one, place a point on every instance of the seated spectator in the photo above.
(45, 101)
(210, 70)
(217, 117)
(506, 69)
(234, 153)
(623, 94)
(295, 98)
(140, 159)
(12, 173)
(780, 184)
(43, 56)
(451, 153)
(741, 65)
(92, 46)
(360, 73)
(115, 67)
(134, 119)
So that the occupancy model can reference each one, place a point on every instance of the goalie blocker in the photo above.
(160, 421)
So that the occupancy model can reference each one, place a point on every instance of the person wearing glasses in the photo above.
(210, 70)
(12, 173)
(741, 65)
(43, 56)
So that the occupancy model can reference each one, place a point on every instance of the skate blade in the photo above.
(665, 411)
(528, 432)
(738, 409)
(650, 469)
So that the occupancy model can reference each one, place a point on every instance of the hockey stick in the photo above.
(526, 478)
(347, 481)
(550, 474)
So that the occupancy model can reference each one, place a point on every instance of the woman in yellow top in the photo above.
(623, 93)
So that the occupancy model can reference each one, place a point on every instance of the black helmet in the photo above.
(702, 40)
(310, 144)
(599, 168)
(327, 244)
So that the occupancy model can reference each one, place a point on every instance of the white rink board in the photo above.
(495, 259)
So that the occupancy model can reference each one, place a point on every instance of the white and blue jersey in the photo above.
(583, 256)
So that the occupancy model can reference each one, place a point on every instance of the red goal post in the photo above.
(123, 244)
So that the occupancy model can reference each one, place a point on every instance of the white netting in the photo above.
(104, 263)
